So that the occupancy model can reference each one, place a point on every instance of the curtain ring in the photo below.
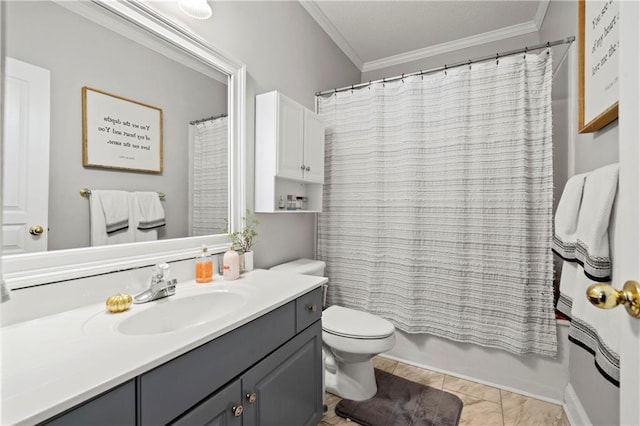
(526, 49)
(369, 84)
(402, 79)
(548, 48)
(497, 58)
(469, 63)
(352, 89)
(384, 80)
(421, 75)
(335, 92)
(445, 69)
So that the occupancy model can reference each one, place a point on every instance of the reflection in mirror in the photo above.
(49, 42)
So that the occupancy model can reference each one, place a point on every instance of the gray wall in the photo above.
(286, 50)
(599, 397)
(80, 53)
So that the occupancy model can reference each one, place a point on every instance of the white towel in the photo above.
(151, 213)
(592, 243)
(115, 207)
(147, 214)
(98, 225)
(566, 219)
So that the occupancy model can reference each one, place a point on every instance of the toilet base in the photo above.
(353, 380)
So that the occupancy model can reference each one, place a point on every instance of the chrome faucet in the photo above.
(161, 286)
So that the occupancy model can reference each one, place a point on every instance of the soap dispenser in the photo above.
(204, 267)
(231, 265)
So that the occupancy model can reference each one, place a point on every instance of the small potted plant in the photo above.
(243, 240)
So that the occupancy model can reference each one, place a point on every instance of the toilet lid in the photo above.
(355, 324)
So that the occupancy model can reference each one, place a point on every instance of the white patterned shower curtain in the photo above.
(437, 203)
(210, 177)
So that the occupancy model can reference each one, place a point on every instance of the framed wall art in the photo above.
(119, 133)
(598, 64)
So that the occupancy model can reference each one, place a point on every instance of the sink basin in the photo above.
(171, 314)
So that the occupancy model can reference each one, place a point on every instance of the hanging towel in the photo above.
(592, 243)
(151, 213)
(566, 219)
(591, 328)
(115, 203)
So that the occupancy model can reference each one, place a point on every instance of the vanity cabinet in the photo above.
(289, 153)
(115, 407)
(266, 372)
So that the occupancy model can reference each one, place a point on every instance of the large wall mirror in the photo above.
(51, 51)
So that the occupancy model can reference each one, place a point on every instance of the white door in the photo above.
(25, 180)
(627, 248)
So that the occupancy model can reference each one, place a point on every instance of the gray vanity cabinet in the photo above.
(115, 407)
(267, 372)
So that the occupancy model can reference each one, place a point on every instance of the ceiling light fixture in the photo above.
(198, 9)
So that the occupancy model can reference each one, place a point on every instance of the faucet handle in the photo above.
(161, 271)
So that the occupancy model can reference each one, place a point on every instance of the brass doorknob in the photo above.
(237, 411)
(36, 230)
(606, 297)
(252, 397)
(312, 308)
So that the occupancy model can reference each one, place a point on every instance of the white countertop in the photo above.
(53, 363)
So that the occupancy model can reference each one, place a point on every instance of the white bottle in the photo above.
(231, 265)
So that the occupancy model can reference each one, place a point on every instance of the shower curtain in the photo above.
(210, 176)
(437, 203)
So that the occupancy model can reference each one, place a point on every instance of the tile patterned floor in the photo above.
(482, 405)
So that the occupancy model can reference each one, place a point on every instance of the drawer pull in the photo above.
(312, 308)
(237, 411)
(251, 397)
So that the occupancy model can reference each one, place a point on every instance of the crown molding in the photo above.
(318, 15)
(541, 12)
(437, 49)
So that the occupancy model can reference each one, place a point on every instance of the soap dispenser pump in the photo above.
(231, 265)
(204, 267)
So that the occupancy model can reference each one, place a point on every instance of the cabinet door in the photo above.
(313, 147)
(116, 407)
(286, 387)
(289, 141)
(221, 409)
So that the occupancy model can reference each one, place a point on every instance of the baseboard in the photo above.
(573, 408)
(473, 379)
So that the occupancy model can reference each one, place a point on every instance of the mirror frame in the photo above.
(133, 16)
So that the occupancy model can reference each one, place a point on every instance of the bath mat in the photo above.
(400, 402)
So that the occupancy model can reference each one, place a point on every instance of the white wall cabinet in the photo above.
(289, 154)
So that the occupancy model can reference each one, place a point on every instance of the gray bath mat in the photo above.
(400, 402)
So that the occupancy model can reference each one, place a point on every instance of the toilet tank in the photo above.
(306, 267)
(303, 266)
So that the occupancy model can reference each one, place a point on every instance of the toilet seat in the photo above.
(354, 324)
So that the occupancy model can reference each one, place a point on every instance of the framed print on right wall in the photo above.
(598, 64)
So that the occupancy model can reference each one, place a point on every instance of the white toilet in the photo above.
(350, 339)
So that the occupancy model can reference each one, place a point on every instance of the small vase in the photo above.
(248, 261)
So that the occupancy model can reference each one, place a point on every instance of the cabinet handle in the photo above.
(312, 308)
(302, 167)
(252, 397)
(237, 411)
(308, 169)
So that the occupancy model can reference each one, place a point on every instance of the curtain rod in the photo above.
(202, 120)
(497, 56)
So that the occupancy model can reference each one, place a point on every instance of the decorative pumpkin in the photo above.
(118, 302)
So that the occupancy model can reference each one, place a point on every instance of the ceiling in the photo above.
(378, 34)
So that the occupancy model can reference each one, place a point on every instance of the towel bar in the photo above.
(85, 192)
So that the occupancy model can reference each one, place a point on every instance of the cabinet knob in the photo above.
(237, 411)
(308, 169)
(251, 397)
(312, 308)
(302, 167)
